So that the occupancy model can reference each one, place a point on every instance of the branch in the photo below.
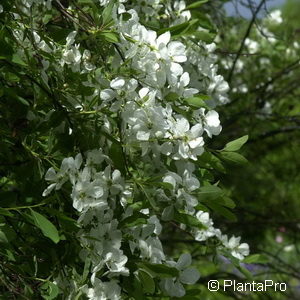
(244, 39)
(274, 132)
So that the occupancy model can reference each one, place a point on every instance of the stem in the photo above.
(23, 207)
(244, 39)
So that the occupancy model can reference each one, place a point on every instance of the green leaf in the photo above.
(256, 259)
(159, 270)
(198, 101)
(23, 101)
(137, 289)
(5, 212)
(165, 185)
(107, 13)
(3, 238)
(150, 198)
(228, 202)
(220, 200)
(117, 156)
(245, 272)
(187, 297)
(18, 60)
(193, 292)
(10, 256)
(171, 96)
(7, 234)
(168, 213)
(6, 50)
(12, 77)
(221, 210)
(180, 29)
(137, 206)
(86, 269)
(47, 18)
(67, 223)
(147, 282)
(195, 4)
(176, 29)
(205, 35)
(236, 144)
(47, 228)
(188, 220)
(204, 21)
(233, 158)
(49, 290)
(86, 1)
(209, 192)
(133, 287)
(209, 160)
(110, 36)
(136, 219)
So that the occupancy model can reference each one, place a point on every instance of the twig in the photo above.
(274, 132)
(244, 39)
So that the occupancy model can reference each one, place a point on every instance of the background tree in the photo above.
(130, 200)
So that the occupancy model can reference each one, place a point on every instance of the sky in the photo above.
(245, 12)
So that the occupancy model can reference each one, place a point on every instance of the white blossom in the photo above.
(162, 138)
(187, 275)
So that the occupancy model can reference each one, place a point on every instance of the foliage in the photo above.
(264, 105)
(105, 99)
(111, 161)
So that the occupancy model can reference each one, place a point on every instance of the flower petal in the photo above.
(163, 38)
(189, 276)
(107, 94)
(184, 261)
(117, 83)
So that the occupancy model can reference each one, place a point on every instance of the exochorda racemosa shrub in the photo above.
(153, 89)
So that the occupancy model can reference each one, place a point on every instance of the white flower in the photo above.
(114, 180)
(233, 244)
(182, 88)
(172, 178)
(151, 248)
(252, 45)
(209, 231)
(87, 192)
(151, 127)
(183, 183)
(275, 17)
(68, 170)
(86, 56)
(70, 39)
(148, 122)
(117, 83)
(167, 50)
(189, 140)
(72, 57)
(109, 290)
(115, 261)
(40, 43)
(95, 157)
(210, 121)
(182, 15)
(171, 53)
(173, 286)
(120, 90)
(157, 226)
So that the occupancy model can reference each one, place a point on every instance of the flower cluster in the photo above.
(146, 110)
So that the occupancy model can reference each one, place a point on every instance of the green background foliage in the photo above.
(259, 199)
